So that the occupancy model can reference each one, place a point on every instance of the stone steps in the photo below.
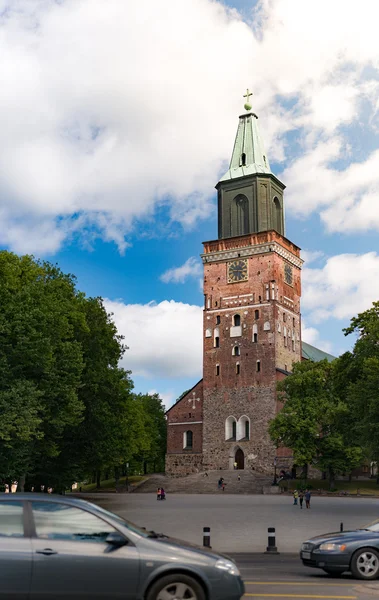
(198, 483)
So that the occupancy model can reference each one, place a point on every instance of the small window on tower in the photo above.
(236, 351)
(256, 314)
(284, 317)
(216, 303)
(237, 369)
(236, 320)
(217, 342)
(293, 321)
(243, 159)
(217, 370)
(258, 366)
(255, 338)
(218, 319)
(293, 345)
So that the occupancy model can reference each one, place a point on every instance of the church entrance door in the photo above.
(240, 459)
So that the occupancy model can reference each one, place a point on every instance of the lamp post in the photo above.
(275, 482)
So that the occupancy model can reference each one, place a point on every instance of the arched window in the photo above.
(239, 216)
(238, 370)
(277, 216)
(236, 320)
(243, 428)
(236, 351)
(255, 333)
(256, 314)
(188, 440)
(230, 428)
(217, 342)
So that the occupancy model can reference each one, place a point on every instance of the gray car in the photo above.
(56, 547)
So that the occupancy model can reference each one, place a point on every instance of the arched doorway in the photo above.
(239, 459)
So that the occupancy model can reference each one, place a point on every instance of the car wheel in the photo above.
(335, 572)
(176, 586)
(365, 564)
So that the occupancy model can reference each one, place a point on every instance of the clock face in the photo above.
(237, 271)
(288, 275)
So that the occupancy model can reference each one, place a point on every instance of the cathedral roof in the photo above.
(249, 156)
(311, 353)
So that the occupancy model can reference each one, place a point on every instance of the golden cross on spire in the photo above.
(247, 105)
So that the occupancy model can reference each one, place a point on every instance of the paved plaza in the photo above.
(239, 523)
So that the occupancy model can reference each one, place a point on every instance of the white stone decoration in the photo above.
(208, 333)
(193, 400)
(267, 326)
(236, 331)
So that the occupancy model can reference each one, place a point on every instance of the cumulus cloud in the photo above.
(191, 268)
(108, 109)
(345, 285)
(165, 339)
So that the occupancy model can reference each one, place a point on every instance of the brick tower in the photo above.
(252, 288)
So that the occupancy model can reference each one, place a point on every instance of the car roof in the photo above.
(42, 497)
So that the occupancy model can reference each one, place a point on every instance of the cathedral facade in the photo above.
(251, 326)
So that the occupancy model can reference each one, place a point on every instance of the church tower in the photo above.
(252, 288)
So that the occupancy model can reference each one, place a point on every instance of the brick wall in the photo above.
(185, 415)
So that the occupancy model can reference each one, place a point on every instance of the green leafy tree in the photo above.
(155, 428)
(313, 421)
(40, 361)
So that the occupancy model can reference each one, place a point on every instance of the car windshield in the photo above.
(373, 527)
(131, 526)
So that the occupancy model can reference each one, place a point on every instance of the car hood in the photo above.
(183, 546)
(343, 536)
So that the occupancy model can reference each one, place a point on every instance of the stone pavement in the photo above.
(251, 482)
(239, 522)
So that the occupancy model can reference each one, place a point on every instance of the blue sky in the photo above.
(116, 122)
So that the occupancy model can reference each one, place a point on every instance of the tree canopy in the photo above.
(67, 407)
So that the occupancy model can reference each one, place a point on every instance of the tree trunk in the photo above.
(98, 479)
(21, 486)
(331, 479)
(117, 475)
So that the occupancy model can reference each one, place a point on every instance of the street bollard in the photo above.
(207, 537)
(341, 526)
(271, 548)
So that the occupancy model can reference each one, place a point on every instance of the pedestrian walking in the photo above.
(307, 498)
(223, 485)
(239, 477)
(295, 496)
(235, 466)
(159, 493)
(301, 499)
(220, 482)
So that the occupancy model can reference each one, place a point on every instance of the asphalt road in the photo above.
(239, 522)
(284, 576)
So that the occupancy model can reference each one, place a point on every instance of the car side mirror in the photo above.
(116, 539)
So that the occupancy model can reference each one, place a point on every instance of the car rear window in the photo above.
(11, 519)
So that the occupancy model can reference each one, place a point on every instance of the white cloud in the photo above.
(345, 285)
(110, 108)
(310, 256)
(165, 339)
(191, 268)
(312, 336)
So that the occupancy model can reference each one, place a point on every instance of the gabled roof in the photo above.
(183, 396)
(311, 353)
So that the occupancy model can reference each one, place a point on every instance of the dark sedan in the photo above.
(55, 548)
(356, 551)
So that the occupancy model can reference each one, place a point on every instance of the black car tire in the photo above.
(333, 571)
(181, 586)
(365, 564)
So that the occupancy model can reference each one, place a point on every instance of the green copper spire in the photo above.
(250, 197)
